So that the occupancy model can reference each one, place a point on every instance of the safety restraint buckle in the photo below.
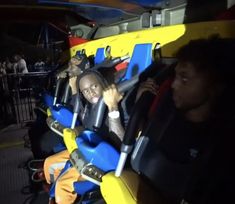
(92, 173)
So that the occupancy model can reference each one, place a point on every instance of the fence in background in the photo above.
(19, 94)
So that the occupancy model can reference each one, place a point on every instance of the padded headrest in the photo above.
(140, 60)
(102, 54)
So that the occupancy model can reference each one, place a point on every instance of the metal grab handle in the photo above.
(58, 84)
(111, 63)
(100, 108)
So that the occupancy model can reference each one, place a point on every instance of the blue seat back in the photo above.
(48, 100)
(140, 60)
(97, 151)
(63, 116)
(100, 55)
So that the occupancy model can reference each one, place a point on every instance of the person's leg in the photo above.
(36, 133)
(54, 164)
(64, 191)
(48, 141)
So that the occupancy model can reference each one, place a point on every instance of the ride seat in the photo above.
(101, 54)
(141, 58)
(130, 188)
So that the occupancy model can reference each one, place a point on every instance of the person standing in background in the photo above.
(20, 65)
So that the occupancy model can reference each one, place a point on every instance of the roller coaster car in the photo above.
(47, 101)
(92, 156)
(60, 117)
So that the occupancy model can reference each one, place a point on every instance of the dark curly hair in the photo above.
(216, 57)
(97, 74)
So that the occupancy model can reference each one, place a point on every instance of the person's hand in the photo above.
(61, 75)
(148, 85)
(73, 85)
(112, 97)
(74, 70)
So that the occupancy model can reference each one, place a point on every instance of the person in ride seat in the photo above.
(41, 138)
(91, 86)
(189, 154)
(76, 65)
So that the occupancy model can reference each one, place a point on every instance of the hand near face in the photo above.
(61, 75)
(73, 85)
(148, 85)
(112, 97)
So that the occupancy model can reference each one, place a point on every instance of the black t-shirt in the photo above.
(183, 140)
(174, 146)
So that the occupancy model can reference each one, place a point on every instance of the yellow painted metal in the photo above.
(126, 188)
(11, 144)
(69, 140)
(170, 38)
(49, 112)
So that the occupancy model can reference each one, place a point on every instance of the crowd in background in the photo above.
(17, 64)
(18, 72)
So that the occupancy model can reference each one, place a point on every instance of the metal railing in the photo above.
(19, 94)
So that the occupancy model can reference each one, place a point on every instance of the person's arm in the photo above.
(73, 85)
(111, 98)
(148, 85)
(23, 66)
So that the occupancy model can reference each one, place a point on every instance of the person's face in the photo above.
(90, 88)
(191, 88)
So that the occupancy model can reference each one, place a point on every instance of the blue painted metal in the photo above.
(149, 3)
(100, 55)
(83, 187)
(140, 60)
(63, 116)
(97, 152)
(48, 100)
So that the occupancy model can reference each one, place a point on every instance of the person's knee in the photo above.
(64, 193)
(46, 167)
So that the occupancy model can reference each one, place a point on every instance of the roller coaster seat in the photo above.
(130, 187)
(96, 152)
(63, 116)
(101, 54)
(140, 60)
(48, 100)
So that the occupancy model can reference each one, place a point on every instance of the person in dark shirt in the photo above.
(188, 157)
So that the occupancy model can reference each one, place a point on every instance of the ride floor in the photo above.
(14, 176)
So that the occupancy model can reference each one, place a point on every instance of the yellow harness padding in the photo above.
(129, 188)
(116, 190)
(49, 112)
(70, 139)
